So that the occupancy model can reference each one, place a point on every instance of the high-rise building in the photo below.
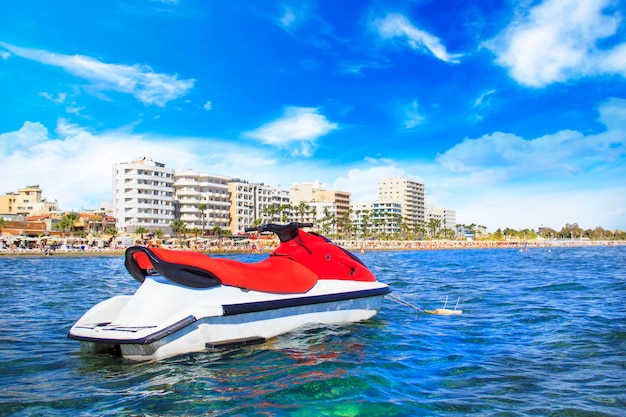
(252, 203)
(202, 200)
(410, 194)
(143, 195)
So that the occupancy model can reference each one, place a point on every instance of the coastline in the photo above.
(355, 246)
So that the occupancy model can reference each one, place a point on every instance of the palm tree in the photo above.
(178, 226)
(62, 225)
(202, 208)
(141, 230)
(365, 225)
(434, 225)
(3, 223)
(70, 220)
(344, 223)
(327, 222)
(302, 209)
(285, 211)
(111, 231)
(217, 231)
(196, 231)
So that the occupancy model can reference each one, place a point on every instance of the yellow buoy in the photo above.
(444, 312)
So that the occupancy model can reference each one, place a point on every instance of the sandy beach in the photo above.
(356, 246)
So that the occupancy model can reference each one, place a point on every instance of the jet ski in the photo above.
(190, 302)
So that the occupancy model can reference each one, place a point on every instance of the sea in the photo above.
(542, 333)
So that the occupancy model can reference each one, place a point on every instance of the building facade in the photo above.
(27, 201)
(446, 217)
(255, 203)
(330, 207)
(143, 196)
(377, 219)
(202, 200)
(410, 194)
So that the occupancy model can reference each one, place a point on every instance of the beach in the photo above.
(266, 246)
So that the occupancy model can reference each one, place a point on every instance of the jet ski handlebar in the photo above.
(285, 232)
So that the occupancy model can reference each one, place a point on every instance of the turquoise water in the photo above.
(543, 333)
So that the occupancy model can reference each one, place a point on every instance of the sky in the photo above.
(512, 112)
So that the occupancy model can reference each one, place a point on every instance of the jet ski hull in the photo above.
(163, 319)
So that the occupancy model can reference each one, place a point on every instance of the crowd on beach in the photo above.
(267, 245)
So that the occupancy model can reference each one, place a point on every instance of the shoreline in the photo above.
(368, 246)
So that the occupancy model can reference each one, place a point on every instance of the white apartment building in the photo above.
(379, 218)
(446, 217)
(280, 201)
(410, 194)
(143, 195)
(203, 200)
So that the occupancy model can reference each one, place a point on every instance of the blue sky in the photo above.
(512, 113)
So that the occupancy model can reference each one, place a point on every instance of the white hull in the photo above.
(163, 319)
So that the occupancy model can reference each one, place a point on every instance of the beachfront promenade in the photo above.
(266, 246)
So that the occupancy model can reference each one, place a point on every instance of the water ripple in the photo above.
(542, 333)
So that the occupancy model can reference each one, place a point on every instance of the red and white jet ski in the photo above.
(188, 302)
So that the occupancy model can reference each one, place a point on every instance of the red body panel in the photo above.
(294, 267)
(326, 260)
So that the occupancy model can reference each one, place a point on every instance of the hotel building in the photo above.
(410, 194)
(143, 195)
(378, 218)
(251, 203)
(202, 200)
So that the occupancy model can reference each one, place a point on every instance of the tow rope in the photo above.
(439, 311)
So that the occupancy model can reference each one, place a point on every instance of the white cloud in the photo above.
(288, 18)
(557, 40)
(4, 55)
(559, 155)
(395, 25)
(412, 115)
(498, 180)
(141, 81)
(297, 129)
(503, 180)
(362, 183)
(30, 134)
(208, 105)
(59, 99)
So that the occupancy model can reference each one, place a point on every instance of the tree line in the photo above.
(372, 225)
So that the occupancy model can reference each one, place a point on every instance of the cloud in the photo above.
(557, 40)
(362, 183)
(497, 180)
(563, 154)
(59, 99)
(140, 81)
(567, 176)
(297, 129)
(398, 26)
(30, 134)
(208, 105)
(73, 165)
(412, 115)
(288, 18)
